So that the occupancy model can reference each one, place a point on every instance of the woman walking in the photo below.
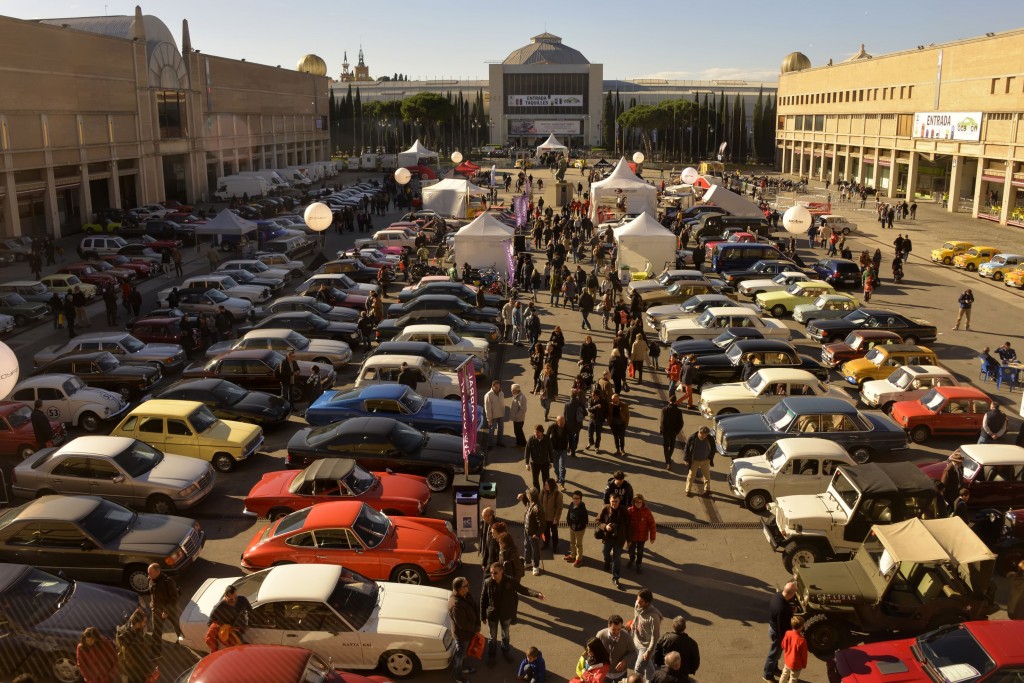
(551, 508)
(517, 413)
(537, 363)
(639, 354)
(97, 658)
(617, 368)
(641, 530)
(549, 389)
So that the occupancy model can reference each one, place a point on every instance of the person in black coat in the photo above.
(671, 426)
(499, 604)
(69, 315)
(780, 612)
(41, 425)
(613, 526)
(678, 641)
(618, 486)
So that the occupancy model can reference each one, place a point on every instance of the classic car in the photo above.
(829, 526)
(883, 360)
(258, 268)
(663, 281)
(285, 340)
(709, 347)
(153, 330)
(780, 282)
(258, 369)
(228, 401)
(30, 290)
(338, 281)
(280, 493)
(337, 614)
(126, 471)
(905, 384)
(122, 275)
(862, 434)
(838, 272)
(784, 302)
(88, 538)
(766, 268)
(222, 282)
(432, 381)
(1000, 266)
(352, 267)
(89, 275)
(856, 345)
(764, 353)
(710, 323)
(389, 329)
(950, 250)
(912, 330)
(103, 370)
(305, 304)
(974, 257)
(190, 428)
(1015, 278)
(310, 325)
(762, 390)
(352, 534)
(444, 302)
(275, 285)
(789, 467)
(63, 284)
(437, 415)
(692, 307)
(436, 357)
(7, 324)
(168, 357)
(340, 299)
(13, 249)
(681, 290)
(825, 307)
(281, 262)
(17, 437)
(943, 411)
(22, 310)
(446, 339)
(992, 472)
(210, 301)
(67, 398)
(269, 664)
(384, 443)
(457, 289)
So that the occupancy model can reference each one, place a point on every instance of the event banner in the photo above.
(953, 125)
(470, 419)
(510, 257)
(543, 127)
(545, 100)
(520, 205)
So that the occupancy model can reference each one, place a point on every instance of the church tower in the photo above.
(346, 75)
(362, 72)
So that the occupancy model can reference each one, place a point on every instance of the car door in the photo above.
(70, 476)
(805, 476)
(998, 486)
(151, 431)
(106, 480)
(181, 439)
(844, 430)
(63, 546)
(315, 626)
(260, 377)
(955, 418)
(340, 546)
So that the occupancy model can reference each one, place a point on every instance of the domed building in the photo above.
(312, 64)
(796, 61)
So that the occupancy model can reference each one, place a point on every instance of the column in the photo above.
(846, 165)
(12, 220)
(912, 177)
(114, 186)
(874, 170)
(1008, 196)
(821, 168)
(50, 203)
(956, 181)
(86, 190)
(893, 174)
(835, 164)
(978, 184)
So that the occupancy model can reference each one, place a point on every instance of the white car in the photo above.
(789, 467)
(340, 615)
(826, 307)
(692, 307)
(432, 383)
(257, 268)
(445, 338)
(6, 323)
(712, 321)
(64, 283)
(151, 211)
(66, 398)
(764, 389)
(778, 283)
(282, 262)
(906, 384)
(222, 282)
(324, 351)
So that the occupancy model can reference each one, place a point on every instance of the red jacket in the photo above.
(98, 664)
(641, 524)
(795, 646)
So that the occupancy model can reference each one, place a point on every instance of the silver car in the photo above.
(122, 470)
(170, 357)
(324, 351)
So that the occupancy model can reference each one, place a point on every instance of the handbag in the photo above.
(476, 646)
(599, 533)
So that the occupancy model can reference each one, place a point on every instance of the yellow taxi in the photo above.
(949, 251)
(883, 360)
(974, 257)
(190, 428)
(1015, 278)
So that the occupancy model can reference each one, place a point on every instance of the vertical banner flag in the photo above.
(493, 167)
(470, 418)
(510, 257)
(520, 203)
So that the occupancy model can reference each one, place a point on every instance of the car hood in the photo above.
(903, 409)
(238, 433)
(411, 536)
(877, 387)
(834, 348)
(154, 534)
(862, 663)
(840, 583)
(220, 347)
(92, 394)
(104, 607)
(442, 409)
(700, 346)
(715, 360)
(744, 423)
(328, 346)
(816, 511)
(756, 466)
(858, 366)
(273, 484)
(260, 402)
(417, 611)
(175, 471)
(205, 599)
(837, 324)
(733, 391)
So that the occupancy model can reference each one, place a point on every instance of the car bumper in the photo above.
(255, 446)
(771, 532)
(196, 498)
(434, 576)
(195, 549)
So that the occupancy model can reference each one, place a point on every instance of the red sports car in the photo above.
(122, 274)
(17, 438)
(141, 267)
(89, 275)
(261, 663)
(280, 493)
(175, 205)
(354, 535)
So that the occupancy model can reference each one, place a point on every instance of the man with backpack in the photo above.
(133, 651)
(163, 603)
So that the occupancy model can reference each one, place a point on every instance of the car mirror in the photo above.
(119, 479)
(88, 545)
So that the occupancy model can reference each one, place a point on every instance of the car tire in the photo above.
(757, 501)
(323, 361)
(947, 261)
(846, 231)
(160, 504)
(727, 411)
(400, 663)
(997, 276)
(223, 462)
(125, 391)
(89, 421)
(408, 574)
(750, 452)
(682, 338)
(910, 340)
(277, 513)
(920, 434)
(779, 310)
(24, 451)
(136, 578)
(798, 554)
(438, 480)
(824, 636)
(887, 408)
(60, 667)
(453, 397)
(860, 454)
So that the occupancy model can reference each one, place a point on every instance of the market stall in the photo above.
(621, 193)
(228, 229)
(644, 241)
(552, 145)
(484, 243)
(417, 155)
(452, 197)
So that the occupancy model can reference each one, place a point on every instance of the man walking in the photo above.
(499, 603)
(620, 647)
(81, 317)
(613, 525)
(700, 458)
(163, 603)
(586, 302)
(966, 300)
(489, 549)
(41, 427)
(538, 456)
(646, 632)
(671, 425)
(577, 518)
(465, 624)
(574, 413)
(494, 413)
(618, 420)
(680, 643)
(780, 613)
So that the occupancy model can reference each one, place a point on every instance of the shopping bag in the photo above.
(631, 371)
(476, 646)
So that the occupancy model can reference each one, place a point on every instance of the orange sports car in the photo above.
(354, 535)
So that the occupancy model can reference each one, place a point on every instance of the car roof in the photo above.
(946, 539)
(388, 390)
(201, 384)
(1004, 640)
(890, 477)
(91, 355)
(97, 445)
(59, 507)
(900, 348)
(258, 354)
(20, 283)
(786, 375)
(927, 370)
(99, 335)
(261, 664)
(878, 334)
(731, 310)
(427, 327)
(309, 582)
(395, 359)
(963, 392)
(374, 426)
(333, 514)
(294, 299)
(268, 333)
(763, 345)
(818, 404)
(994, 453)
(811, 446)
(45, 380)
(166, 407)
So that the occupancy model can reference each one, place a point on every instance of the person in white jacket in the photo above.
(518, 415)
(506, 321)
(494, 412)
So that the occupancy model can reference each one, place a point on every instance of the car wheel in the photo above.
(90, 422)
(910, 340)
(24, 451)
(407, 573)
(727, 411)
(823, 635)
(997, 276)
(860, 454)
(20, 320)
(453, 397)
(160, 505)
(222, 462)
(779, 310)
(63, 668)
(971, 267)
(887, 408)
(400, 663)
(136, 578)
(125, 391)
(393, 512)
(947, 260)
(798, 554)
(438, 480)
(323, 361)
(920, 434)
(757, 501)
(682, 338)
(835, 339)
(750, 452)
(846, 231)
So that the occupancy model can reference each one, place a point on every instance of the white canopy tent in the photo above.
(450, 197)
(552, 145)
(645, 241)
(483, 243)
(622, 183)
(735, 204)
(413, 155)
(226, 223)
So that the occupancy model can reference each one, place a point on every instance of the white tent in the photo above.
(450, 197)
(643, 240)
(483, 243)
(226, 223)
(413, 155)
(622, 183)
(552, 145)
(735, 204)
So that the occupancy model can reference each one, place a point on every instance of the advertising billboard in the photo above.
(954, 125)
(545, 100)
(543, 127)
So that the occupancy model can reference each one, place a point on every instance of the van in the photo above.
(741, 255)
(839, 224)
(93, 247)
(295, 177)
(236, 186)
(274, 179)
(294, 247)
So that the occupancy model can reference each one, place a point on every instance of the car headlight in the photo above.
(106, 411)
(169, 359)
(174, 559)
(188, 490)
(440, 558)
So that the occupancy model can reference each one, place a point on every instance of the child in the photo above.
(654, 352)
(532, 669)
(315, 385)
(794, 645)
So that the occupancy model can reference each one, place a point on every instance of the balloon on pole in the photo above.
(689, 175)
(318, 216)
(457, 157)
(403, 176)
(796, 220)
(9, 369)
(638, 158)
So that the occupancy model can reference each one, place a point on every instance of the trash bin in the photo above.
(624, 274)
(467, 511)
(489, 490)
(563, 194)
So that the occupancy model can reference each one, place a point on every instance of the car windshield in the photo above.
(955, 655)
(795, 289)
(322, 307)
(933, 400)
(33, 598)
(779, 417)
(359, 481)
(72, 280)
(229, 394)
(298, 341)
(412, 401)
(901, 378)
(776, 457)
(292, 522)
(705, 319)
(217, 296)
(875, 356)
(138, 458)
(755, 382)
(73, 385)
(844, 491)
(14, 300)
(354, 598)
(107, 362)
(971, 466)
(242, 276)
(202, 419)
(108, 521)
(949, 245)
(371, 526)
(820, 302)
(780, 279)
(131, 344)
(229, 282)
(857, 317)
(322, 435)
(258, 266)
(735, 354)
(19, 417)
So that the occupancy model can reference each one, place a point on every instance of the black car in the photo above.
(308, 304)
(352, 267)
(444, 302)
(103, 370)
(43, 616)
(388, 329)
(838, 272)
(92, 539)
(383, 443)
(708, 347)
(437, 356)
(456, 289)
(161, 230)
(763, 269)
(912, 330)
(228, 401)
(310, 325)
(767, 353)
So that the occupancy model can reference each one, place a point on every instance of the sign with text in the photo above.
(541, 127)
(470, 418)
(545, 100)
(954, 125)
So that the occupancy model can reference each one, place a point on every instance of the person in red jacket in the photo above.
(794, 645)
(641, 529)
(97, 658)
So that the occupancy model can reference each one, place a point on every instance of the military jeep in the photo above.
(832, 525)
(907, 578)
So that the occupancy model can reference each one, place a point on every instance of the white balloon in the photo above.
(318, 216)
(457, 157)
(638, 158)
(796, 220)
(689, 175)
(403, 176)
(9, 369)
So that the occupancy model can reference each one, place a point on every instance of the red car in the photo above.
(352, 534)
(269, 664)
(856, 345)
(175, 205)
(158, 330)
(141, 267)
(122, 274)
(89, 275)
(157, 245)
(280, 493)
(974, 651)
(17, 437)
(943, 411)
(994, 474)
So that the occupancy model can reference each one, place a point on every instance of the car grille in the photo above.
(193, 543)
(251, 447)
(205, 480)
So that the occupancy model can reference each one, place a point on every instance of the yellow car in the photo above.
(883, 360)
(949, 251)
(974, 257)
(1015, 278)
(65, 283)
(1000, 265)
(189, 428)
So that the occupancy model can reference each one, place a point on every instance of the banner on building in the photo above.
(543, 127)
(545, 100)
(520, 205)
(470, 418)
(954, 125)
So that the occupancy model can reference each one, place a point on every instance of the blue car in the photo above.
(397, 401)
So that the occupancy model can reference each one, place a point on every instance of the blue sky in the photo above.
(742, 39)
